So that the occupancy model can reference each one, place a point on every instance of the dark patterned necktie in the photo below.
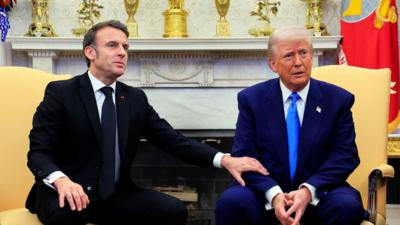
(108, 127)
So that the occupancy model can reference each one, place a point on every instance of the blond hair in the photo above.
(288, 34)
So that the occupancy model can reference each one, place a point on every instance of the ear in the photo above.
(271, 63)
(90, 53)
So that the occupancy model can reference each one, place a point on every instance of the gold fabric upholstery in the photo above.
(21, 90)
(370, 113)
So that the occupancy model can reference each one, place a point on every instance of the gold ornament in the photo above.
(222, 24)
(88, 10)
(175, 20)
(385, 13)
(131, 8)
(40, 26)
(262, 10)
(314, 13)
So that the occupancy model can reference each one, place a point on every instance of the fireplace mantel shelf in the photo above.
(45, 52)
(68, 44)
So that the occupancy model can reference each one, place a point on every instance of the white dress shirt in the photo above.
(301, 104)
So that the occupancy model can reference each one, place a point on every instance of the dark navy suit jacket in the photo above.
(327, 152)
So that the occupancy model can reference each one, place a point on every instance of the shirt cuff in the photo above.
(312, 189)
(218, 158)
(49, 180)
(270, 194)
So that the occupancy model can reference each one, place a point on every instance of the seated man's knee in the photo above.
(344, 208)
(239, 204)
(233, 199)
(62, 216)
(348, 206)
(176, 213)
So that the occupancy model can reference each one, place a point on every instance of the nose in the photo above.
(297, 59)
(121, 51)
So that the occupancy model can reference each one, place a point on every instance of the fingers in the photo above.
(77, 199)
(282, 217)
(297, 208)
(73, 194)
(298, 214)
(291, 210)
(70, 200)
(254, 165)
(84, 199)
(297, 218)
(288, 200)
(239, 179)
(61, 197)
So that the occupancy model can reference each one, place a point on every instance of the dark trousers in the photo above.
(126, 206)
(242, 206)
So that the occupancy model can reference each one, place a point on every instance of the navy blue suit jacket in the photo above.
(327, 152)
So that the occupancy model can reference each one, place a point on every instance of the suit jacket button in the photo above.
(89, 188)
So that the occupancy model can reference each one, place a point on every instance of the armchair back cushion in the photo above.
(21, 91)
(370, 114)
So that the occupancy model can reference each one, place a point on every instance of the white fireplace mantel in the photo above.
(63, 44)
(192, 82)
(44, 54)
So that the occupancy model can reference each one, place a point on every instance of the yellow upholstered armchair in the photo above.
(21, 90)
(370, 113)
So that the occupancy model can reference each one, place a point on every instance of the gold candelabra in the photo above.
(262, 11)
(175, 20)
(87, 12)
(314, 17)
(40, 26)
(222, 24)
(131, 8)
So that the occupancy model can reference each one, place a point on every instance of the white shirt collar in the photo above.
(97, 84)
(286, 92)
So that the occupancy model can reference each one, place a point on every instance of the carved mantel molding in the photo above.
(68, 44)
(189, 62)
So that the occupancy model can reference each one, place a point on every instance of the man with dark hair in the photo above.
(84, 138)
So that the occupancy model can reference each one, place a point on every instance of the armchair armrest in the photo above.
(376, 177)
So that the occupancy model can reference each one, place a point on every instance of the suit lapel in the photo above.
(89, 101)
(122, 117)
(276, 117)
(311, 123)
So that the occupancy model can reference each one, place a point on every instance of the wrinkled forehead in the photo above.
(290, 43)
(107, 34)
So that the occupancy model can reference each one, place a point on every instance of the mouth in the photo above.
(298, 74)
(120, 64)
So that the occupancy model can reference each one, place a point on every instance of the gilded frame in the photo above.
(393, 146)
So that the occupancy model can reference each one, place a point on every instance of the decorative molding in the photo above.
(393, 147)
(177, 73)
(208, 62)
(42, 53)
(64, 44)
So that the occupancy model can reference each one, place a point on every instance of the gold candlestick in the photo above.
(87, 12)
(131, 8)
(175, 20)
(314, 17)
(263, 10)
(40, 26)
(222, 24)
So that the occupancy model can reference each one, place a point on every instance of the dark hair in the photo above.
(90, 36)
